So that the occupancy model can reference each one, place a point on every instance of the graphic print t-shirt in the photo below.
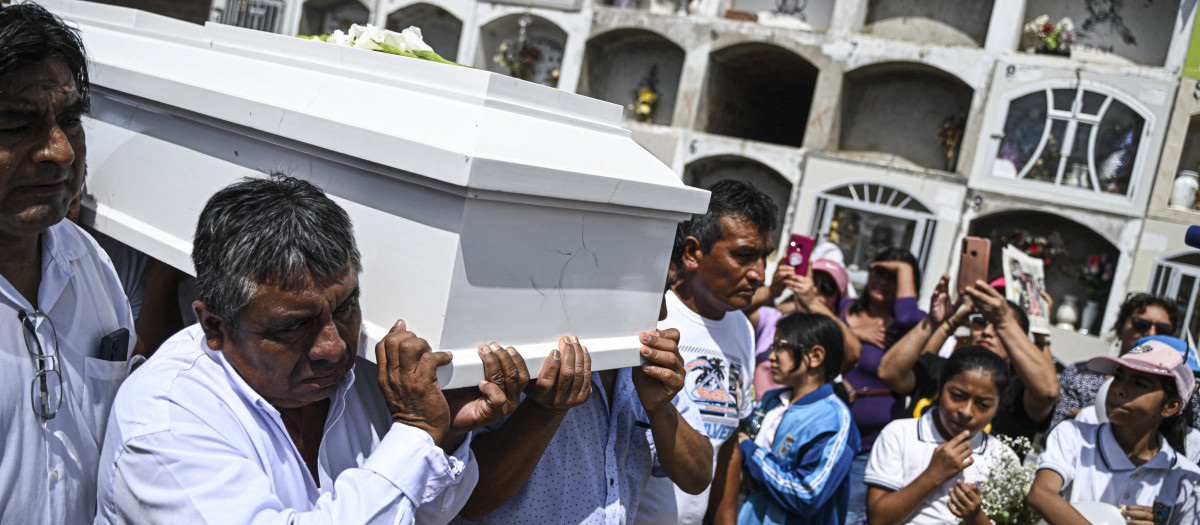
(718, 362)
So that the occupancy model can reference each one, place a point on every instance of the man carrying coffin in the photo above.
(580, 447)
(65, 326)
(261, 413)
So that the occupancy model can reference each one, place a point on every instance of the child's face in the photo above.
(1136, 398)
(968, 402)
(783, 363)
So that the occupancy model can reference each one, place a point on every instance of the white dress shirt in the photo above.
(191, 442)
(48, 467)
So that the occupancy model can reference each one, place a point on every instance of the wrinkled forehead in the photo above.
(35, 85)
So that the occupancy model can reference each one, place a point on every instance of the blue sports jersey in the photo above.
(805, 477)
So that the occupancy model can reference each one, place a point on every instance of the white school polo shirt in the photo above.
(903, 451)
(1095, 468)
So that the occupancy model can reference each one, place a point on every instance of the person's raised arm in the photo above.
(804, 292)
(1035, 370)
(508, 455)
(685, 454)
(766, 295)
(896, 367)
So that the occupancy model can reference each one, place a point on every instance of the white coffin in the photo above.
(486, 208)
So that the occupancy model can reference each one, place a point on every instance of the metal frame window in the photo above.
(1178, 277)
(877, 203)
(263, 15)
(1082, 138)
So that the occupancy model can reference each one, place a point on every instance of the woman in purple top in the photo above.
(882, 314)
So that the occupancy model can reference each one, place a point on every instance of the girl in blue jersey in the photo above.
(799, 459)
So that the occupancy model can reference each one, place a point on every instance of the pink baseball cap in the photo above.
(835, 270)
(1151, 357)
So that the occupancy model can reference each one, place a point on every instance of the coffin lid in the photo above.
(468, 131)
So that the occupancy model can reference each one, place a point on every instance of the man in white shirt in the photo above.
(262, 413)
(721, 266)
(60, 301)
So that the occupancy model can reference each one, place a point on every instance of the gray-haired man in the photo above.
(60, 300)
(261, 413)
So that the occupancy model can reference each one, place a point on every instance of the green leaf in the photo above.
(388, 48)
(434, 57)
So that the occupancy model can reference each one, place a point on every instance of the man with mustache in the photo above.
(721, 266)
(66, 329)
(262, 413)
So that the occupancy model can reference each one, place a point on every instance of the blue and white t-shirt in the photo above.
(718, 360)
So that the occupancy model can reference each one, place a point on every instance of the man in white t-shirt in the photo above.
(721, 266)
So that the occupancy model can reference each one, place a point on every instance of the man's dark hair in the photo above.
(802, 331)
(1137, 304)
(29, 34)
(732, 198)
(276, 230)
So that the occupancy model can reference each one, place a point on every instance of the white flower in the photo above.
(340, 38)
(1066, 24)
(366, 36)
(410, 40)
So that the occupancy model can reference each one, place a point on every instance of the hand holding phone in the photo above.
(798, 252)
(973, 262)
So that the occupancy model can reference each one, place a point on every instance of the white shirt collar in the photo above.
(927, 431)
(1114, 456)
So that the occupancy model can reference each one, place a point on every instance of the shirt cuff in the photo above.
(408, 457)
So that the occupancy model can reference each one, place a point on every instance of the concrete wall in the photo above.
(949, 22)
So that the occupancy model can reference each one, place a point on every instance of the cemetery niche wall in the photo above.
(904, 111)
(634, 68)
(440, 29)
(947, 22)
(757, 91)
(486, 208)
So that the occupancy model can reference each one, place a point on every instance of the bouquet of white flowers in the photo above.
(1007, 487)
(409, 43)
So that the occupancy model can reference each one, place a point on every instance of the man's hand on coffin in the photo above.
(566, 377)
(408, 378)
(661, 375)
(495, 397)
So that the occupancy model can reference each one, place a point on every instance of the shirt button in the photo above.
(54, 475)
(610, 482)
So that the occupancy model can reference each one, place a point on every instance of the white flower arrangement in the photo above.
(409, 43)
(1006, 490)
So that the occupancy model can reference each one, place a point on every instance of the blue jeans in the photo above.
(856, 511)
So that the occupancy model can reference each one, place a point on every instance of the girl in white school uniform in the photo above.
(1135, 461)
(928, 470)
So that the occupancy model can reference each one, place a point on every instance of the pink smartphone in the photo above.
(798, 251)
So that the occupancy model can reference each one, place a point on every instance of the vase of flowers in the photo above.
(645, 97)
(1050, 38)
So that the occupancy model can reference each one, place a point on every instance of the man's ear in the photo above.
(214, 328)
(1171, 407)
(692, 254)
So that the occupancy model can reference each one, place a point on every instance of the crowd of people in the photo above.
(801, 401)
